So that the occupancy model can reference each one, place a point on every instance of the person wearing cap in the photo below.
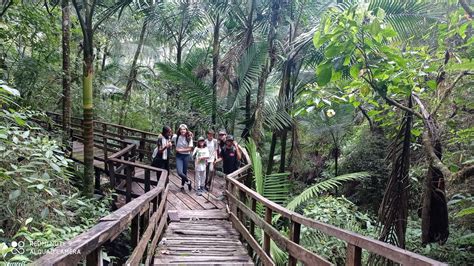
(230, 155)
(212, 145)
(221, 139)
(184, 146)
(201, 154)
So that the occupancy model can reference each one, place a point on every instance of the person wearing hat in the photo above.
(212, 146)
(201, 154)
(184, 146)
(230, 155)
(221, 139)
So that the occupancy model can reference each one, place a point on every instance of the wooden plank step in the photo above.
(203, 214)
(202, 259)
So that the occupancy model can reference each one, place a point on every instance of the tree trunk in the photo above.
(257, 131)
(272, 153)
(88, 125)
(66, 73)
(248, 96)
(215, 64)
(132, 76)
(87, 94)
(284, 137)
(434, 214)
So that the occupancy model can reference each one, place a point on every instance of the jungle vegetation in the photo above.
(357, 113)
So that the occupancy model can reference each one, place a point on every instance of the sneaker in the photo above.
(190, 185)
(182, 189)
(199, 193)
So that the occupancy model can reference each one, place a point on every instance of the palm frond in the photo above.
(275, 115)
(248, 71)
(196, 91)
(323, 186)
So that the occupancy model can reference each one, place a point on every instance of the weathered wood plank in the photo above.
(294, 249)
(203, 214)
(137, 253)
(266, 260)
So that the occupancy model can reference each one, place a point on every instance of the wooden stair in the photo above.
(202, 237)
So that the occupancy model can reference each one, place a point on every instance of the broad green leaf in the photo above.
(324, 74)
(355, 69)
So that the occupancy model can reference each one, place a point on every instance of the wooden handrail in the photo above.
(88, 244)
(296, 252)
(243, 217)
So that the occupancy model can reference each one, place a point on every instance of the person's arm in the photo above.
(237, 149)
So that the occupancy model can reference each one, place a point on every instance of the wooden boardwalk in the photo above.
(177, 200)
(199, 231)
(201, 237)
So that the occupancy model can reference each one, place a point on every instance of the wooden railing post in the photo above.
(252, 223)
(295, 230)
(266, 237)
(128, 174)
(353, 255)
(147, 180)
(105, 141)
(121, 136)
(142, 147)
(135, 231)
(94, 258)
(97, 178)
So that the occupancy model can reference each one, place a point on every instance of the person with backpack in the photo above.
(212, 146)
(230, 155)
(201, 154)
(161, 152)
(184, 146)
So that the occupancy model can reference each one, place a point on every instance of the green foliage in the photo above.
(367, 153)
(323, 186)
(458, 250)
(39, 204)
(342, 213)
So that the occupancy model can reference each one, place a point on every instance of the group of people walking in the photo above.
(208, 152)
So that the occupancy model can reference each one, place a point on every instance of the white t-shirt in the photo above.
(212, 147)
(182, 142)
(163, 143)
(200, 153)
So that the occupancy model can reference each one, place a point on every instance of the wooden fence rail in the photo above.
(145, 217)
(243, 214)
(112, 137)
(146, 214)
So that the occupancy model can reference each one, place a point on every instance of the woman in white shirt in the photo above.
(161, 152)
(184, 146)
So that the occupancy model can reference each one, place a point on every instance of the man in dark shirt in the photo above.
(230, 155)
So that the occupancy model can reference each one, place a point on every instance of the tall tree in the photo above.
(132, 76)
(257, 129)
(66, 72)
(85, 15)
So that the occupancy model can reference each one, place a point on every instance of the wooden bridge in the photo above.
(167, 226)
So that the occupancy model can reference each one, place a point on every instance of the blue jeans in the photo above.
(182, 167)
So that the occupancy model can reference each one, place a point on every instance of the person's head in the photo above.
(201, 143)
(222, 135)
(166, 132)
(229, 141)
(210, 134)
(183, 129)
